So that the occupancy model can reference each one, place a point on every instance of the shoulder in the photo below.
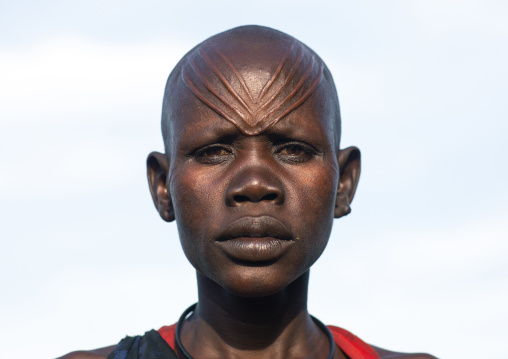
(388, 354)
(101, 353)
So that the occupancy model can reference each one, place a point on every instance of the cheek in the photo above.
(189, 197)
(313, 206)
(193, 193)
(314, 193)
(196, 195)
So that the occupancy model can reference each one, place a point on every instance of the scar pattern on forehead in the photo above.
(214, 80)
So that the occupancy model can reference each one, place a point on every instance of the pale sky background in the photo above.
(421, 264)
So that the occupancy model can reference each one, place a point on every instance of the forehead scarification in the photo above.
(253, 85)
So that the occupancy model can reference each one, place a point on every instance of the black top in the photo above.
(149, 346)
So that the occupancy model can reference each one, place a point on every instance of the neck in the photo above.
(269, 315)
(226, 325)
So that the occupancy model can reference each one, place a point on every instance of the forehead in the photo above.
(252, 81)
(195, 122)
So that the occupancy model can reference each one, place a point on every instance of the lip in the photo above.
(255, 239)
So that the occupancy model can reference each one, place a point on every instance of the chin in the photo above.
(255, 282)
(255, 291)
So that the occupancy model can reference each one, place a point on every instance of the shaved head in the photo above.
(252, 76)
(253, 173)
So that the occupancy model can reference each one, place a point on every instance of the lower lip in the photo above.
(248, 249)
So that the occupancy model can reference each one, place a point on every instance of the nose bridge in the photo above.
(255, 180)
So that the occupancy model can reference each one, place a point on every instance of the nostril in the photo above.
(270, 197)
(242, 198)
(239, 198)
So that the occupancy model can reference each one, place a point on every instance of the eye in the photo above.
(213, 154)
(295, 152)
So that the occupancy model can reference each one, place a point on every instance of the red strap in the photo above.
(354, 347)
(168, 334)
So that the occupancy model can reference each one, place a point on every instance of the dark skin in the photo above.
(254, 188)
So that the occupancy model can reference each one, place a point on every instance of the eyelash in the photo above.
(306, 153)
(200, 155)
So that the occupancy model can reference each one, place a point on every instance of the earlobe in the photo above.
(349, 160)
(157, 167)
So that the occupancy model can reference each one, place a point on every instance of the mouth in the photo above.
(255, 240)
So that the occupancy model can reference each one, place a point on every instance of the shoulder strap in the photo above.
(351, 345)
(149, 346)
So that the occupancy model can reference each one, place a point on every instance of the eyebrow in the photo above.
(222, 131)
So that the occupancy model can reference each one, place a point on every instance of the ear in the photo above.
(157, 167)
(349, 167)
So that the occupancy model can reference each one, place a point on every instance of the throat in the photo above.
(267, 314)
(223, 325)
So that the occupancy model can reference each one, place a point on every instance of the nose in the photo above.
(254, 185)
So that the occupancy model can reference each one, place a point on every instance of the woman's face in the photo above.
(254, 212)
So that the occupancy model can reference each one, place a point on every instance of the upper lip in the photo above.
(256, 227)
